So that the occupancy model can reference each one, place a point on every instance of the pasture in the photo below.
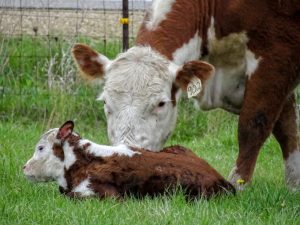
(32, 102)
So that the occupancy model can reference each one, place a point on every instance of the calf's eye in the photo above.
(40, 148)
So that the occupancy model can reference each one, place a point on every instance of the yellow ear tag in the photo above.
(240, 181)
(194, 87)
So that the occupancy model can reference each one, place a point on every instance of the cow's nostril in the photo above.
(143, 139)
(24, 167)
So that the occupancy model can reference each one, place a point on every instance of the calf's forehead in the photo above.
(47, 139)
(49, 135)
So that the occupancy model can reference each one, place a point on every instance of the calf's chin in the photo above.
(43, 170)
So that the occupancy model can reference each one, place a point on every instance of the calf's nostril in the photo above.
(24, 167)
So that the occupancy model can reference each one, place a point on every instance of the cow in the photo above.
(251, 67)
(83, 168)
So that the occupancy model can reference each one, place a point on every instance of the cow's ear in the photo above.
(91, 64)
(192, 76)
(65, 130)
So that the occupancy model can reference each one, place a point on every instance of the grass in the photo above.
(29, 107)
(266, 201)
(37, 76)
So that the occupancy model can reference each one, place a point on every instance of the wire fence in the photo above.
(38, 79)
(36, 37)
(92, 18)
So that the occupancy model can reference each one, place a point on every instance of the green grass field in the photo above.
(28, 108)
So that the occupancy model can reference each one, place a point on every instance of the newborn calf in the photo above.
(83, 168)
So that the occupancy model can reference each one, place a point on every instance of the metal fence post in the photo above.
(125, 22)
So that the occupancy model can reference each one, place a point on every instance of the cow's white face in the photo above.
(140, 92)
(44, 165)
(137, 99)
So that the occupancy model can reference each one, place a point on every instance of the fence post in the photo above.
(125, 25)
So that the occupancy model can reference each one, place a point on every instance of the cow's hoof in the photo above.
(236, 180)
(292, 171)
(292, 179)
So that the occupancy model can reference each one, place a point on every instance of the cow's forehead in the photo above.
(138, 70)
(134, 98)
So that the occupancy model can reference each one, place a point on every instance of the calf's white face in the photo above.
(44, 165)
(140, 92)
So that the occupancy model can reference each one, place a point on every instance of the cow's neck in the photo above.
(178, 29)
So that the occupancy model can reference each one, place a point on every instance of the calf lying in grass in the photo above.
(83, 168)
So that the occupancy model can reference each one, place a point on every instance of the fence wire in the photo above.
(36, 37)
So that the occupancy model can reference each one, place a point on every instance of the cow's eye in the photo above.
(161, 104)
(107, 110)
(40, 148)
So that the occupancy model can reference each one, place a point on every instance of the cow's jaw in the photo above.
(43, 170)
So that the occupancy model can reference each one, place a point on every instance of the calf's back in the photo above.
(151, 173)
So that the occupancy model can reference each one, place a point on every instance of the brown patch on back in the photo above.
(148, 173)
(87, 63)
(288, 7)
(180, 25)
(177, 149)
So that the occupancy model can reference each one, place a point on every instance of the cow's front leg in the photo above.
(285, 132)
(266, 92)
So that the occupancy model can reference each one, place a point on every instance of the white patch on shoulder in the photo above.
(188, 51)
(292, 170)
(160, 9)
(107, 151)
(83, 188)
(252, 63)
(70, 157)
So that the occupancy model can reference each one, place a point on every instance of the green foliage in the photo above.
(267, 201)
(38, 80)
(29, 106)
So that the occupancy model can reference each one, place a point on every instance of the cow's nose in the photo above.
(143, 139)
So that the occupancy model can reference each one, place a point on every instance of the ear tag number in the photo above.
(194, 87)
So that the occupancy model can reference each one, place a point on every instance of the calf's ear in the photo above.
(192, 76)
(90, 63)
(65, 130)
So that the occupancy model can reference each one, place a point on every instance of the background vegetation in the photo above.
(38, 94)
